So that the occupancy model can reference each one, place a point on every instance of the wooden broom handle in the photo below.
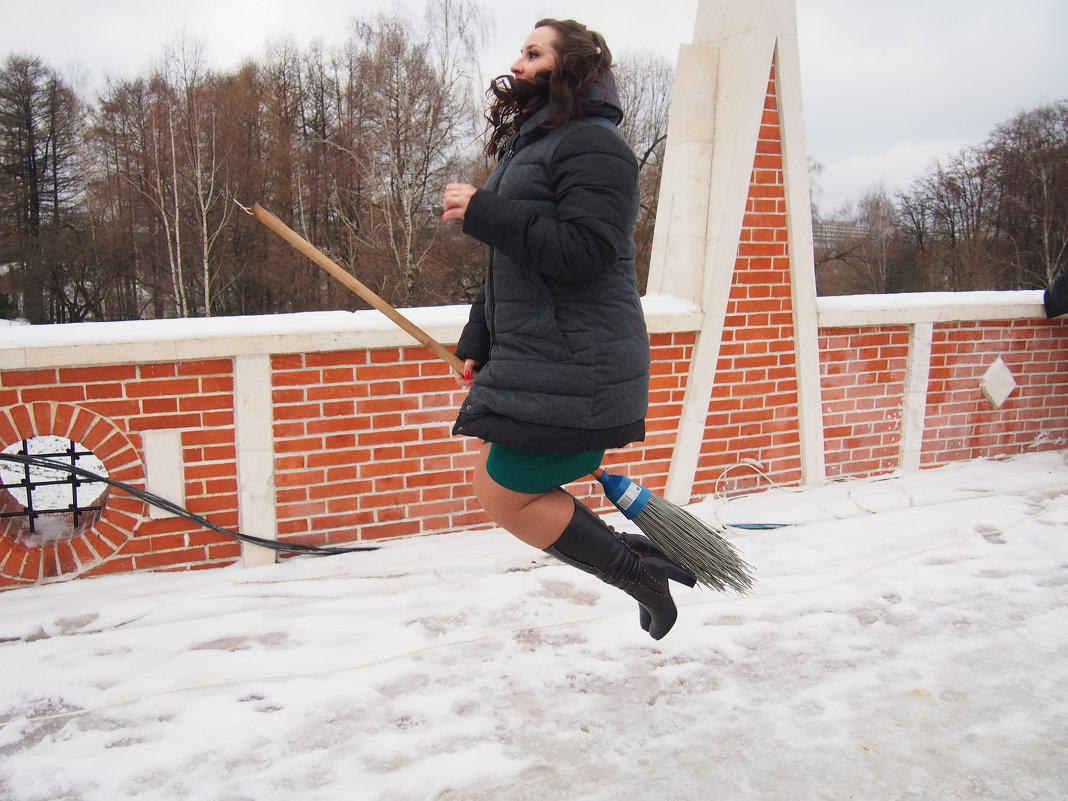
(353, 283)
(361, 289)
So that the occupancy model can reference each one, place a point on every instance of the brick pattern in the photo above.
(862, 378)
(105, 408)
(753, 412)
(21, 563)
(364, 447)
(961, 423)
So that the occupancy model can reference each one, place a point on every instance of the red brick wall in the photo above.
(362, 439)
(961, 423)
(364, 444)
(753, 411)
(862, 375)
(364, 450)
(106, 408)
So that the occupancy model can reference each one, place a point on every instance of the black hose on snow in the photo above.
(173, 508)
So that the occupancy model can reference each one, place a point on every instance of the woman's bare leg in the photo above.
(537, 520)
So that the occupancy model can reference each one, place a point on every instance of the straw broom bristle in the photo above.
(684, 539)
(694, 545)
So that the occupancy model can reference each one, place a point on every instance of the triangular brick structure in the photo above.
(734, 236)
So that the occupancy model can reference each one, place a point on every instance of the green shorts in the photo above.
(535, 473)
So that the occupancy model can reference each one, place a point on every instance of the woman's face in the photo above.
(537, 54)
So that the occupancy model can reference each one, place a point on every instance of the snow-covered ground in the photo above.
(907, 639)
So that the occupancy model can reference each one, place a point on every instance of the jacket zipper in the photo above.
(490, 296)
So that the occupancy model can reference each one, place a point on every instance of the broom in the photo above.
(687, 541)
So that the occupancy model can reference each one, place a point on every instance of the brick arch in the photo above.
(27, 564)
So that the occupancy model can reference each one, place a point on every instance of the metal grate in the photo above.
(42, 491)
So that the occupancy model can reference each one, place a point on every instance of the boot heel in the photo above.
(677, 573)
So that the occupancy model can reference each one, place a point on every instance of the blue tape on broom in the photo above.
(628, 496)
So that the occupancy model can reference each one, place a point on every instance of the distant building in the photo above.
(832, 234)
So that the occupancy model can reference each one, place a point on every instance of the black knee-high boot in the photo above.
(631, 563)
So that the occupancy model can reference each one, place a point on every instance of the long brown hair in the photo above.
(582, 60)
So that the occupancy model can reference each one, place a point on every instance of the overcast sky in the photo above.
(888, 87)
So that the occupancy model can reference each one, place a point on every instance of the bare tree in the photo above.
(116, 200)
(865, 247)
(417, 115)
(954, 209)
(41, 123)
(199, 169)
(352, 145)
(645, 83)
(163, 189)
(1030, 156)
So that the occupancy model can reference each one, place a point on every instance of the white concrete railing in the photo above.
(24, 347)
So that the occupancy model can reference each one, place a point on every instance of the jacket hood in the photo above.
(603, 100)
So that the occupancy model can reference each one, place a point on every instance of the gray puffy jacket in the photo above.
(558, 326)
